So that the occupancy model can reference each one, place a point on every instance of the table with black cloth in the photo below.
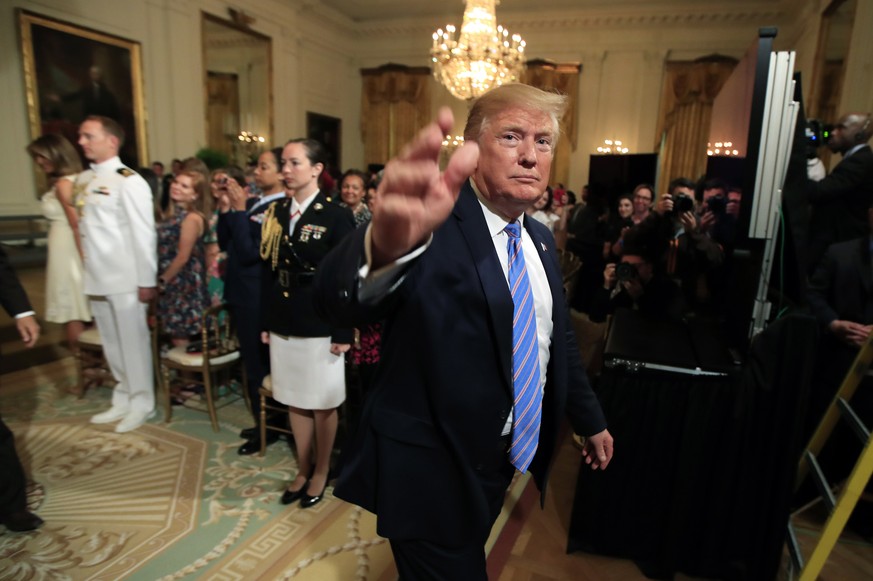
(704, 467)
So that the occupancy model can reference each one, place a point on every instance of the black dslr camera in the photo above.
(717, 205)
(625, 271)
(682, 203)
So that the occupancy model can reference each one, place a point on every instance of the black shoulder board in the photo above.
(126, 171)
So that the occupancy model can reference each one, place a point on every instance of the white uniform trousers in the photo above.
(124, 332)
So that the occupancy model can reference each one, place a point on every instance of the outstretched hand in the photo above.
(414, 196)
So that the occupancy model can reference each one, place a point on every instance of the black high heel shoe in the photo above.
(290, 496)
(307, 501)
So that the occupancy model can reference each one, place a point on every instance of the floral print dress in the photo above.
(215, 270)
(181, 305)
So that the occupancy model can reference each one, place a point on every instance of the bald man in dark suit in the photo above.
(839, 202)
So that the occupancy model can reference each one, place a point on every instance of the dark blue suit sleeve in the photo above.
(236, 228)
(12, 295)
(819, 291)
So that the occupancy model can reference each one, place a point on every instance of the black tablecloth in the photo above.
(703, 469)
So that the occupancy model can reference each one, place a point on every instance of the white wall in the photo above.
(622, 58)
(312, 71)
(317, 55)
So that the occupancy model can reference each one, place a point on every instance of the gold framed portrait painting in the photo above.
(71, 72)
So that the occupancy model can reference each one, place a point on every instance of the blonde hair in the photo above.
(59, 151)
(514, 96)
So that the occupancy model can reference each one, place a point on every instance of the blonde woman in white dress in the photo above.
(65, 300)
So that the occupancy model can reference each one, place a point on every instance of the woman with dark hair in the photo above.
(542, 210)
(65, 300)
(363, 357)
(306, 354)
(239, 235)
(353, 189)
(617, 226)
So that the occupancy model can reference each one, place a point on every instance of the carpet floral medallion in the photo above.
(170, 501)
(167, 501)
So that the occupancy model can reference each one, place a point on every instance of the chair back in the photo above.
(570, 265)
(218, 333)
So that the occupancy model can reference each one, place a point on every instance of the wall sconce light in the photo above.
(721, 149)
(452, 142)
(612, 146)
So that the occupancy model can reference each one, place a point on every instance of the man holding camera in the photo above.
(639, 282)
(839, 202)
(692, 253)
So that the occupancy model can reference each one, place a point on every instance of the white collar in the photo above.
(110, 164)
(496, 222)
(296, 206)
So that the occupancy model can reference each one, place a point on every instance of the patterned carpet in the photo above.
(171, 501)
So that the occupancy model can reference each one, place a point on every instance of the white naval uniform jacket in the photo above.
(117, 227)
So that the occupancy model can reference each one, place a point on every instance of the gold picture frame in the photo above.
(71, 72)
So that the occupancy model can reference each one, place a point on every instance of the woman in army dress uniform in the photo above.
(306, 354)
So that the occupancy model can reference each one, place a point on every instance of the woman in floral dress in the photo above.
(181, 259)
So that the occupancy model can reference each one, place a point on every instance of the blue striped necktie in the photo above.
(527, 405)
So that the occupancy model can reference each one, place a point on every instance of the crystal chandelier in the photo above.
(482, 57)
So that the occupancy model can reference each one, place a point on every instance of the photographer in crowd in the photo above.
(839, 202)
(639, 282)
(692, 254)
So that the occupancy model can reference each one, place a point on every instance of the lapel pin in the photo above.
(543, 244)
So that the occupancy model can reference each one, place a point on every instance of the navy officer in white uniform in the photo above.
(119, 242)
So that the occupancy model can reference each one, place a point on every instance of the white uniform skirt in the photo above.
(305, 374)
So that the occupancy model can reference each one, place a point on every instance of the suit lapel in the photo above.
(474, 229)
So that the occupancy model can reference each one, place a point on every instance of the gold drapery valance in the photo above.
(686, 113)
(395, 104)
(563, 78)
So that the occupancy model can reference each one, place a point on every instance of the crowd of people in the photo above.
(315, 275)
(121, 239)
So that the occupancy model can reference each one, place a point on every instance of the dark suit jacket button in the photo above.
(480, 467)
(344, 295)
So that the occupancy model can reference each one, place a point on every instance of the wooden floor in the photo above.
(538, 551)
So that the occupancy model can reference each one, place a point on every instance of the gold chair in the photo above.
(90, 362)
(570, 266)
(219, 357)
(266, 394)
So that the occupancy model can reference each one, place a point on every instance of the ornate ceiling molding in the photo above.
(579, 21)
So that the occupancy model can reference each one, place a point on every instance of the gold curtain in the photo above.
(395, 104)
(686, 113)
(563, 78)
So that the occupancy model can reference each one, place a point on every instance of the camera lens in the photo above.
(625, 271)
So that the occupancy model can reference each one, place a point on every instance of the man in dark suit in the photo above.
(840, 295)
(439, 436)
(839, 202)
(13, 495)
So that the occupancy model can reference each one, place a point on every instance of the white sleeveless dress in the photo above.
(65, 298)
